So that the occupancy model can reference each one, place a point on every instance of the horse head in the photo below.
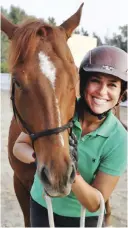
(44, 78)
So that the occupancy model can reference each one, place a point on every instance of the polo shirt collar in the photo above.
(105, 128)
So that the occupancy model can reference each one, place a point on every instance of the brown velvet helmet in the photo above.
(105, 59)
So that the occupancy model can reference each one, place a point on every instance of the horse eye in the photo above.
(16, 83)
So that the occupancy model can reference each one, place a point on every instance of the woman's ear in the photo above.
(123, 97)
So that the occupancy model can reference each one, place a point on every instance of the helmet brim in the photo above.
(106, 70)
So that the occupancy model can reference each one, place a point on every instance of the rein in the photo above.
(35, 136)
(82, 213)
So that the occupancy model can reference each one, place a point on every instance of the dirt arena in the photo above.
(11, 215)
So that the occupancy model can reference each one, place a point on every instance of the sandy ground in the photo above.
(11, 215)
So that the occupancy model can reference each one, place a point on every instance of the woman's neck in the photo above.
(89, 122)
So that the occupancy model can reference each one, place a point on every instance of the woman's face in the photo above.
(102, 92)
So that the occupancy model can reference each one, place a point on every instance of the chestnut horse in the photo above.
(43, 80)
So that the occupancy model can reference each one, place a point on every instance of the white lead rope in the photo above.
(83, 212)
(101, 216)
(82, 217)
(102, 209)
(50, 211)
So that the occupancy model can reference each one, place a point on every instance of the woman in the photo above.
(101, 142)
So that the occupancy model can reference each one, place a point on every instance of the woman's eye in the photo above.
(113, 85)
(95, 80)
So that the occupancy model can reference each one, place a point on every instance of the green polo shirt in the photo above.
(104, 149)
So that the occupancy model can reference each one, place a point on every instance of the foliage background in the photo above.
(17, 15)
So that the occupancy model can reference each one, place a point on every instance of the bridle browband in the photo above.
(35, 136)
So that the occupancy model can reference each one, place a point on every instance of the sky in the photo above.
(100, 16)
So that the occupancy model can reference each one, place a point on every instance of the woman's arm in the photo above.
(23, 150)
(88, 195)
(112, 165)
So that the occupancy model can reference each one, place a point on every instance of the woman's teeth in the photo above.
(99, 101)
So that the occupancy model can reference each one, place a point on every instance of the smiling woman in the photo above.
(102, 93)
(109, 62)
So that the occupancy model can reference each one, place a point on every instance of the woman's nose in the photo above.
(103, 90)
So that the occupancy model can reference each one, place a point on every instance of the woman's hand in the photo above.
(23, 150)
(86, 194)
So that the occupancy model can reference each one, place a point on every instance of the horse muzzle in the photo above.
(56, 185)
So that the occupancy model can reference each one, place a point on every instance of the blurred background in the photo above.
(102, 22)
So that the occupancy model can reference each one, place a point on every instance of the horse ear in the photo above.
(7, 27)
(71, 23)
(44, 31)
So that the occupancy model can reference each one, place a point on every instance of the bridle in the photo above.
(35, 136)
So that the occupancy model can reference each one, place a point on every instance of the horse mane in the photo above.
(25, 41)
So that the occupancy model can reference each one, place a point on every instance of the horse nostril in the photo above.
(44, 175)
(34, 155)
(72, 176)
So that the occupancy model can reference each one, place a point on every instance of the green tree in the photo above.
(4, 67)
(119, 40)
(51, 21)
(81, 32)
(76, 31)
(84, 32)
(16, 15)
(4, 46)
(99, 41)
(4, 12)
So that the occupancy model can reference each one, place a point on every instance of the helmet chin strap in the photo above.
(99, 116)
(88, 109)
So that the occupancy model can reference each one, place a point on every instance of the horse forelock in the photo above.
(25, 42)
